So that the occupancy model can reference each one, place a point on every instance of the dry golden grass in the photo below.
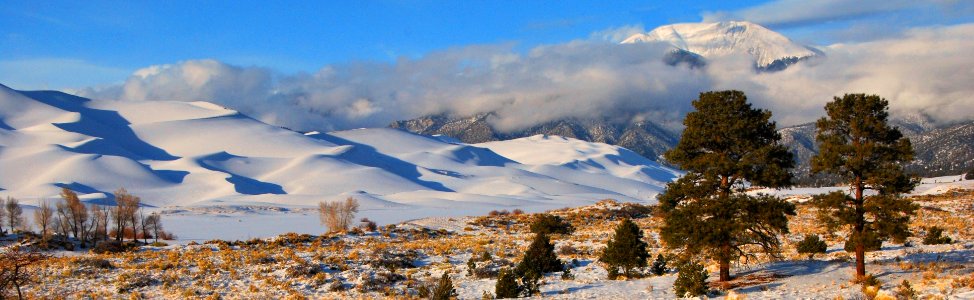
(258, 268)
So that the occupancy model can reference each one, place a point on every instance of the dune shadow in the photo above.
(78, 187)
(173, 176)
(483, 156)
(368, 156)
(657, 173)
(4, 126)
(109, 126)
(241, 184)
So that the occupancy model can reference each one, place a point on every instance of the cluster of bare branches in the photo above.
(15, 269)
(94, 223)
(338, 215)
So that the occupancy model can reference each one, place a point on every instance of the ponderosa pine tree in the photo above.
(540, 258)
(857, 143)
(626, 249)
(726, 147)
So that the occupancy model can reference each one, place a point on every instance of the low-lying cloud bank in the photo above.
(928, 70)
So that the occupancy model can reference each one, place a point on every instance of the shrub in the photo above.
(303, 269)
(394, 260)
(496, 213)
(626, 249)
(867, 281)
(487, 271)
(127, 282)
(378, 281)
(95, 263)
(935, 236)
(112, 246)
(550, 224)
(471, 266)
(15, 270)
(905, 291)
(368, 225)
(811, 245)
(567, 274)
(507, 286)
(634, 211)
(485, 256)
(539, 258)
(337, 216)
(613, 273)
(444, 289)
(336, 286)
(531, 284)
(692, 280)
(870, 286)
(567, 249)
(659, 265)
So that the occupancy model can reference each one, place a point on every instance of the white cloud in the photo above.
(791, 12)
(926, 70)
(618, 34)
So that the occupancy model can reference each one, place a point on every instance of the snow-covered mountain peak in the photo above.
(722, 38)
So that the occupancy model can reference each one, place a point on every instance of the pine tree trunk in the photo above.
(724, 270)
(725, 250)
(860, 230)
(860, 260)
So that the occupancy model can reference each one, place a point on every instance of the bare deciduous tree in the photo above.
(74, 213)
(15, 218)
(3, 216)
(99, 219)
(153, 224)
(15, 270)
(124, 213)
(144, 229)
(43, 217)
(338, 216)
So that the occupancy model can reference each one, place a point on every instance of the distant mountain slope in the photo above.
(939, 151)
(770, 50)
(945, 151)
(201, 154)
(645, 138)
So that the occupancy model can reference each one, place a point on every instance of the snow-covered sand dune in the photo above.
(215, 166)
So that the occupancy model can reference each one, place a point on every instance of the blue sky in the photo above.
(47, 44)
(114, 38)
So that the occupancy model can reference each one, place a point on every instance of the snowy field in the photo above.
(357, 265)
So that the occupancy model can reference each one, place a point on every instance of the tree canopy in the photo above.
(726, 147)
(626, 249)
(857, 143)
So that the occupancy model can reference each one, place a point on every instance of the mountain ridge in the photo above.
(646, 138)
(941, 150)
